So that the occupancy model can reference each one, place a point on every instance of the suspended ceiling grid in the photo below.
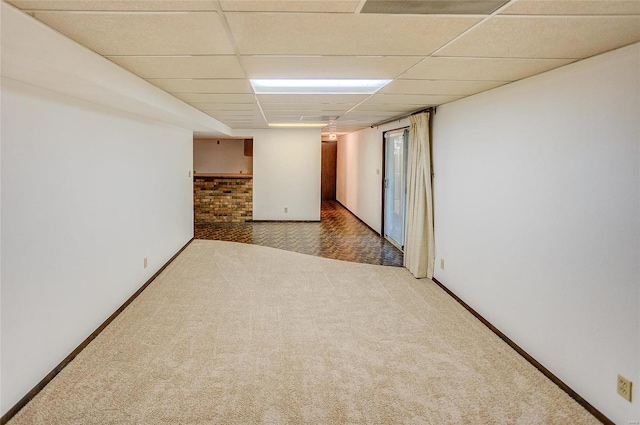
(204, 52)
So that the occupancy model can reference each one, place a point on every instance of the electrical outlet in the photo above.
(286, 210)
(442, 263)
(624, 387)
(145, 262)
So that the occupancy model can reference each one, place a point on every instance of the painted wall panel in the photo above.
(537, 216)
(227, 156)
(286, 174)
(87, 194)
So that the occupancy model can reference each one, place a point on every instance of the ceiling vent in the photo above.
(432, 7)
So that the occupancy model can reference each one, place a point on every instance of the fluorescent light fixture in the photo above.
(297, 124)
(317, 86)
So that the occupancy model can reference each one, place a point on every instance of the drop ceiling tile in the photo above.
(244, 123)
(238, 114)
(222, 107)
(314, 118)
(386, 107)
(284, 119)
(481, 69)
(241, 124)
(546, 37)
(410, 99)
(333, 6)
(143, 33)
(247, 126)
(306, 112)
(357, 121)
(181, 66)
(345, 128)
(215, 98)
(311, 98)
(327, 66)
(292, 116)
(573, 7)
(116, 5)
(185, 85)
(439, 87)
(343, 34)
(378, 115)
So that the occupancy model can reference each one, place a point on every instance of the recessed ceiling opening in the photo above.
(432, 7)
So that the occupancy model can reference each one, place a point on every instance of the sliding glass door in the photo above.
(395, 185)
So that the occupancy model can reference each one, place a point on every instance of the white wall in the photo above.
(286, 173)
(87, 192)
(537, 215)
(359, 172)
(227, 156)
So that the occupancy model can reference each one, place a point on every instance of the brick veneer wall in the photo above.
(222, 199)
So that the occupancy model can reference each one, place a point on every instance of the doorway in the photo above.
(328, 175)
(395, 185)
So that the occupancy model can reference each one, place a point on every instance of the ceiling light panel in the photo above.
(342, 34)
(327, 66)
(143, 33)
(307, 6)
(317, 86)
(181, 66)
(116, 5)
(432, 7)
(546, 37)
(573, 7)
(317, 99)
(306, 106)
(481, 69)
(208, 85)
(439, 87)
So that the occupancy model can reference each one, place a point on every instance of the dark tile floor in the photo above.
(338, 235)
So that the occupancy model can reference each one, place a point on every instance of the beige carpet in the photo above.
(243, 334)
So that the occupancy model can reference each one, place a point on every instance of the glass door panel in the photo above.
(395, 186)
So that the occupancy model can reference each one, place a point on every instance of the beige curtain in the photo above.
(418, 245)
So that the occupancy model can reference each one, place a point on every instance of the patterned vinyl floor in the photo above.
(338, 235)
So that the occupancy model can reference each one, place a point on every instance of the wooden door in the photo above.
(328, 179)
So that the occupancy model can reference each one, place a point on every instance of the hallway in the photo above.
(338, 235)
